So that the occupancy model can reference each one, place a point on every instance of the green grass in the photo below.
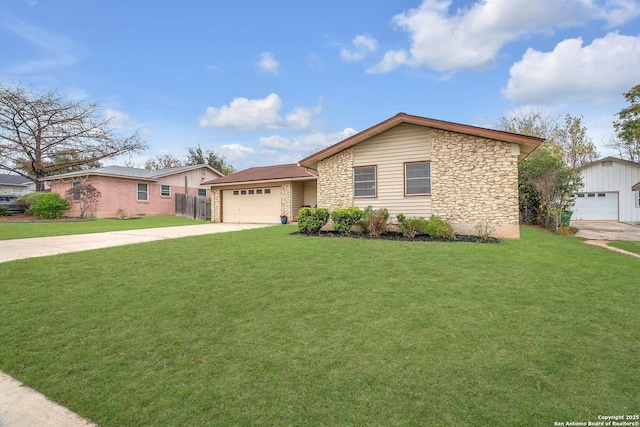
(626, 245)
(22, 230)
(260, 327)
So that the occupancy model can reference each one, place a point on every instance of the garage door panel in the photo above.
(596, 207)
(252, 205)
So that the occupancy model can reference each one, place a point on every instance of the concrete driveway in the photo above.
(43, 246)
(606, 230)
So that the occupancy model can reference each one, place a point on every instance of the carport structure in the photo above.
(261, 194)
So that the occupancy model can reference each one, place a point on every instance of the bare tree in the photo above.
(198, 156)
(43, 134)
(163, 161)
(86, 195)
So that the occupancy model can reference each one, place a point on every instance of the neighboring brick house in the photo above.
(418, 167)
(136, 191)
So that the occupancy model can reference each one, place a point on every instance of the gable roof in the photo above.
(527, 143)
(16, 180)
(611, 159)
(132, 173)
(288, 172)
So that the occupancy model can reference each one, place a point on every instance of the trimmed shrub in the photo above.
(311, 220)
(5, 211)
(26, 201)
(438, 227)
(343, 219)
(49, 205)
(373, 221)
(413, 226)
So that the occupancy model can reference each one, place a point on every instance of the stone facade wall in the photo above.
(285, 200)
(215, 205)
(335, 181)
(475, 180)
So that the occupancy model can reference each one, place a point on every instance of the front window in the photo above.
(143, 192)
(165, 190)
(364, 181)
(417, 178)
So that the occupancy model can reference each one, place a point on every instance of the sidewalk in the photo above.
(21, 406)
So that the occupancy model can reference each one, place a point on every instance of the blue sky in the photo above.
(269, 82)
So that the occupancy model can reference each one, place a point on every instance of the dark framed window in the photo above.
(143, 192)
(417, 178)
(202, 192)
(165, 190)
(259, 191)
(267, 191)
(236, 192)
(364, 181)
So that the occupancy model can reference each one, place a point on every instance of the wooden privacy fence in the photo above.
(195, 207)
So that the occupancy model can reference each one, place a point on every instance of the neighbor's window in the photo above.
(417, 178)
(16, 191)
(165, 190)
(202, 192)
(364, 181)
(143, 192)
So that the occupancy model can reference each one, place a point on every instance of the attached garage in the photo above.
(252, 205)
(261, 194)
(596, 206)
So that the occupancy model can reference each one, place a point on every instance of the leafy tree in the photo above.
(198, 156)
(627, 127)
(549, 178)
(43, 134)
(163, 161)
(86, 195)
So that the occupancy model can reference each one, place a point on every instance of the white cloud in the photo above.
(363, 45)
(596, 73)
(268, 63)
(246, 114)
(473, 36)
(117, 119)
(308, 143)
(236, 151)
(57, 51)
(215, 68)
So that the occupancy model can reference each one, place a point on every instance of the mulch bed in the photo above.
(390, 235)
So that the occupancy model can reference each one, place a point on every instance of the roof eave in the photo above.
(259, 181)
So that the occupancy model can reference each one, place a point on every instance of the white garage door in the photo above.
(596, 207)
(252, 205)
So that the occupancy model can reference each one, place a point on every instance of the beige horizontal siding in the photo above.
(389, 152)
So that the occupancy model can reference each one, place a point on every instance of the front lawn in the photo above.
(23, 230)
(626, 245)
(261, 327)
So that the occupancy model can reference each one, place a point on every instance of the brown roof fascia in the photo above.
(212, 183)
(401, 118)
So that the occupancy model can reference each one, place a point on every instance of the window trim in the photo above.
(404, 177)
(162, 190)
(375, 182)
(145, 191)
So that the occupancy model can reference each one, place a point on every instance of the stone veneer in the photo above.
(285, 200)
(474, 180)
(215, 205)
(335, 181)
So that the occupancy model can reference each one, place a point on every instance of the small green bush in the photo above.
(26, 201)
(49, 205)
(373, 221)
(412, 227)
(438, 227)
(5, 211)
(343, 219)
(311, 220)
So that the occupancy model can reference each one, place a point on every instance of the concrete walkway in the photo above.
(21, 406)
(43, 246)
